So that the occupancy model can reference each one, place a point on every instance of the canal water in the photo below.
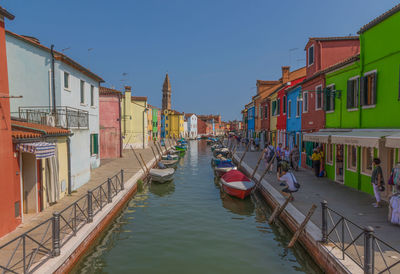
(191, 226)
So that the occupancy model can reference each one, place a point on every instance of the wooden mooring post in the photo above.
(258, 163)
(267, 169)
(141, 157)
(234, 150)
(278, 210)
(244, 154)
(302, 226)
(137, 158)
(158, 151)
(155, 156)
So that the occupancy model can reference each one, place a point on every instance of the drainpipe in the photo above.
(69, 165)
(53, 85)
(120, 117)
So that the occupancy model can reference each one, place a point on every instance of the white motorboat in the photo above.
(170, 157)
(170, 163)
(161, 175)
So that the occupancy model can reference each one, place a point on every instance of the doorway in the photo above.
(339, 177)
(29, 183)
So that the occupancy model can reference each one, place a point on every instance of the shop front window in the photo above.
(352, 158)
(367, 154)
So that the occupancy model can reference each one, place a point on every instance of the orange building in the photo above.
(9, 186)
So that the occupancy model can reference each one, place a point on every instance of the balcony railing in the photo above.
(65, 117)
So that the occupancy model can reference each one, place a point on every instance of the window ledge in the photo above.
(329, 111)
(84, 105)
(352, 109)
(368, 106)
(318, 109)
(366, 173)
(352, 170)
(67, 89)
(329, 163)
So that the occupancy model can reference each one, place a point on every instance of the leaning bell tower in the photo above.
(166, 94)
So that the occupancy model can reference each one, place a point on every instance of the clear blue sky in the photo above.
(213, 50)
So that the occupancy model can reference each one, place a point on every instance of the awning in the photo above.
(41, 150)
(360, 138)
(318, 137)
(393, 141)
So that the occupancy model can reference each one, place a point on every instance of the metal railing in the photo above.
(27, 252)
(358, 243)
(65, 117)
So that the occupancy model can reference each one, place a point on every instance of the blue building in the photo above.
(163, 125)
(251, 121)
(293, 122)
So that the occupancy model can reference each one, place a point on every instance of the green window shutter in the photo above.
(349, 93)
(357, 92)
(91, 144)
(333, 98)
(374, 90)
(96, 143)
(325, 94)
(363, 82)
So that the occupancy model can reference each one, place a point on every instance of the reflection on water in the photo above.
(162, 189)
(237, 206)
(181, 227)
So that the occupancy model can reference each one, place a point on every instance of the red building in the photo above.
(10, 198)
(204, 125)
(321, 53)
(110, 123)
(289, 79)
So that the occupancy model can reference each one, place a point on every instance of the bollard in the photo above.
(122, 179)
(56, 234)
(109, 192)
(324, 205)
(89, 206)
(368, 250)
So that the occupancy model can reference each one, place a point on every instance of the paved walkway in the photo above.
(108, 168)
(352, 204)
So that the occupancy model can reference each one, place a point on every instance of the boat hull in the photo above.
(241, 194)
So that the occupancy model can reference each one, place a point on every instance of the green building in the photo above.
(156, 122)
(362, 104)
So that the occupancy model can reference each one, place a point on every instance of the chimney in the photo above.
(285, 74)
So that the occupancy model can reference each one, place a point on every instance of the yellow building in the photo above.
(174, 124)
(134, 113)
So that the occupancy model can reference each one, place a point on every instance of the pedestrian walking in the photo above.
(286, 154)
(377, 181)
(316, 160)
(279, 155)
(269, 153)
(294, 157)
(290, 180)
(257, 143)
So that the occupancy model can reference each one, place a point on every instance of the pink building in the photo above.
(110, 123)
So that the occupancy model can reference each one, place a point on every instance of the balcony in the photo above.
(65, 117)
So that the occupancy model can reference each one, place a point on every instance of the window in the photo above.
(260, 111)
(330, 98)
(289, 109)
(311, 55)
(367, 155)
(298, 108)
(92, 95)
(318, 99)
(352, 92)
(266, 112)
(284, 104)
(66, 80)
(368, 89)
(82, 92)
(278, 107)
(94, 144)
(305, 102)
(329, 153)
(352, 157)
(274, 108)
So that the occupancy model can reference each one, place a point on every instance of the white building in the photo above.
(191, 125)
(74, 104)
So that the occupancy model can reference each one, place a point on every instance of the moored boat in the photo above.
(170, 163)
(217, 161)
(170, 157)
(224, 167)
(236, 184)
(161, 175)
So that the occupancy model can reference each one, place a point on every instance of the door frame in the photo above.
(343, 162)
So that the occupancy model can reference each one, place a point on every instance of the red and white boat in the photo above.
(235, 183)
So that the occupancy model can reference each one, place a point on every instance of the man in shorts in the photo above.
(290, 181)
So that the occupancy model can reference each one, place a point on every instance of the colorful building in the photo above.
(321, 53)
(10, 198)
(174, 124)
(134, 120)
(110, 123)
(42, 165)
(192, 125)
(156, 123)
(363, 105)
(293, 114)
(69, 98)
